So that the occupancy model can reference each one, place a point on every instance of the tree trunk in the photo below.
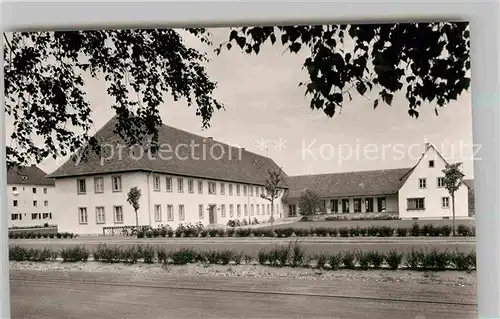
(453, 210)
(272, 213)
(136, 221)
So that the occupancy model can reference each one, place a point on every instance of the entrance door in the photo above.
(211, 214)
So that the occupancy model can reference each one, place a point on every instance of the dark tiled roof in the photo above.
(28, 175)
(361, 183)
(248, 168)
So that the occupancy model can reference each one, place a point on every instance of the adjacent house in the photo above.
(190, 179)
(411, 193)
(30, 197)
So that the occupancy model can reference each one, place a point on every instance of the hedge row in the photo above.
(292, 255)
(33, 235)
(372, 231)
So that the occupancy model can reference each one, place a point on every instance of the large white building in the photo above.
(30, 197)
(411, 193)
(195, 179)
(191, 179)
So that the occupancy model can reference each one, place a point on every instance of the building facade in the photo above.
(211, 184)
(30, 197)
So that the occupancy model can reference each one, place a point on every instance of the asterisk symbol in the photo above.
(280, 144)
(262, 144)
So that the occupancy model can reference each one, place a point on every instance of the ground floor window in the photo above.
(334, 206)
(416, 203)
(16, 216)
(292, 210)
(345, 206)
(157, 213)
(238, 210)
(99, 215)
(445, 202)
(118, 213)
(357, 205)
(200, 211)
(182, 215)
(82, 215)
(381, 204)
(170, 212)
(369, 205)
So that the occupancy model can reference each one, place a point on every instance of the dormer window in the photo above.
(431, 164)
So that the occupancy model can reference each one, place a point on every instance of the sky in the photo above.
(267, 113)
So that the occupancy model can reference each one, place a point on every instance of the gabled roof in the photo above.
(248, 168)
(361, 183)
(28, 175)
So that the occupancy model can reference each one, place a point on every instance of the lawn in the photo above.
(368, 223)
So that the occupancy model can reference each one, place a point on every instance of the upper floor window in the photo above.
(15, 203)
(81, 186)
(200, 187)
(99, 185)
(14, 188)
(445, 202)
(180, 185)
(237, 190)
(244, 190)
(212, 188)
(34, 190)
(222, 189)
(422, 183)
(169, 184)
(431, 164)
(82, 215)
(45, 190)
(440, 182)
(156, 183)
(35, 203)
(230, 189)
(257, 191)
(117, 183)
(251, 190)
(191, 186)
(46, 203)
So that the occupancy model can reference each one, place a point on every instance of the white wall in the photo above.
(25, 197)
(67, 208)
(432, 194)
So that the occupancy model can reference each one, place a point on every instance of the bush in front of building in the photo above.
(292, 255)
(34, 235)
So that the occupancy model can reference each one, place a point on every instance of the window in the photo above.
(212, 188)
(257, 191)
(34, 190)
(180, 185)
(170, 212)
(35, 203)
(244, 190)
(46, 203)
(263, 209)
(45, 190)
(181, 212)
(445, 202)
(222, 189)
(14, 203)
(231, 211)
(237, 190)
(118, 214)
(345, 206)
(47, 215)
(230, 189)
(268, 209)
(431, 164)
(440, 182)
(292, 210)
(82, 215)
(190, 186)
(262, 190)
(100, 216)
(381, 204)
(258, 210)
(246, 210)
(422, 183)
(169, 184)
(156, 183)
(15, 189)
(334, 206)
(157, 213)
(357, 205)
(39, 216)
(81, 186)
(252, 212)
(200, 187)
(416, 203)
(117, 183)
(369, 205)
(99, 185)
(200, 211)
(16, 216)
(251, 190)
(223, 211)
(238, 210)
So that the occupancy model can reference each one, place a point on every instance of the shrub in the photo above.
(372, 231)
(297, 255)
(147, 253)
(302, 232)
(238, 257)
(461, 261)
(212, 232)
(344, 232)
(321, 260)
(149, 234)
(445, 230)
(18, 253)
(226, 256)
(45, 235)
(335, 260)
(38, 235)
(108, 254)
(163, 256)
(183, 256)
(243, 232)
(179, 231)
(131, 254)
(204, 233)
(464, 230)
(394, 259)
(376, 259)
(59, 235)
(255, 221)
(349, 259)
(415, 230)
(283, 254)
(386, 231)
(262, 256)
(248, 259)
(74, 254)
(257, 232)
(51, 235)
(230, 232)
(284, 232)
(414, 259)
(472, 259)
(354, 231)
(363, 260)
(402, 232)
(212, 256)
(436, 260)
(332, 232)
(321, 231)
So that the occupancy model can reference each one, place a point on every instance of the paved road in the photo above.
(39, 295)
(253, 245)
